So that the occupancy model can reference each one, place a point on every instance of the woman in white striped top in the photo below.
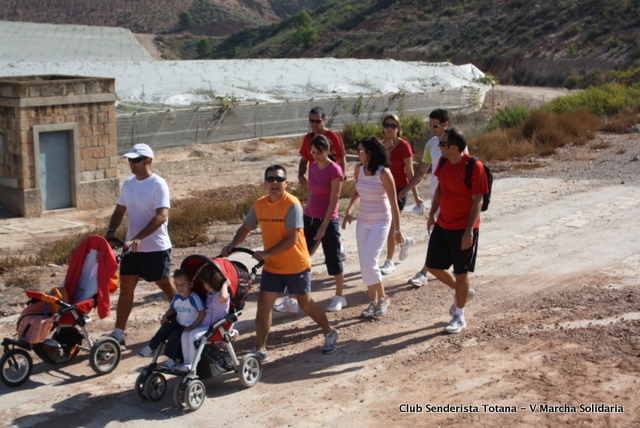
(378, 211)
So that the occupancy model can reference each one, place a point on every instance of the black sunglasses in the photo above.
(315, 120)
(390, 125)
(136, 160)
(271, 179)
(444, 144)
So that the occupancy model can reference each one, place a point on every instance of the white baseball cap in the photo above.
(139, 150)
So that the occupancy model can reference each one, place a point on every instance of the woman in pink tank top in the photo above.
(378, 212)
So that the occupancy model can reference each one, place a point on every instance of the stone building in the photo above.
(58, 146)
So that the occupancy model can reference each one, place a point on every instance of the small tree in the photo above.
(306, 33)
(186, 20)
(204, 48)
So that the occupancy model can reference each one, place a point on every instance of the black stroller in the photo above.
(211, 358)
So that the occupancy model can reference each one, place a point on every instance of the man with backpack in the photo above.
(454, 238)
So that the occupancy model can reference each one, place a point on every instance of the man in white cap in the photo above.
(145, 199)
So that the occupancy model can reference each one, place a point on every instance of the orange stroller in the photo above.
(92, 275)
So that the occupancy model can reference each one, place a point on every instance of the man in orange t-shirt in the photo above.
(287, 264)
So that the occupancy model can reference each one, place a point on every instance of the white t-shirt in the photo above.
(142, 198)
(432, 155)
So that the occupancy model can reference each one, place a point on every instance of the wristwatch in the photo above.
(110, 230)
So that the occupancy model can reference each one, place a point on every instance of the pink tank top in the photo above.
(374, 204)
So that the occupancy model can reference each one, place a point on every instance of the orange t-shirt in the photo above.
(274, 219)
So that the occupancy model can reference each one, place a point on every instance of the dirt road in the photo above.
(553, 336)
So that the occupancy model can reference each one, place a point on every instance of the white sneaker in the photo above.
(337, 303)
(343, 253)
(404, 248)
(419, 280)
(368, 313)
(456, 325)
(186, 367)
(330, 342)
(388, 267)
(146, 352)
(383, 304)
(470, 296)
(288, 304)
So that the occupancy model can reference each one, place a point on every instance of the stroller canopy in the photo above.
(93, 271)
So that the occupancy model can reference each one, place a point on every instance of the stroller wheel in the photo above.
(194, 394)
(15, 367)
(105, 355)
(178, 394)
(155, 386)
(249, 371)
(140, 381)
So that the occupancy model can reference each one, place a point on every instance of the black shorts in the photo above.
(152, 266)
(445, 249)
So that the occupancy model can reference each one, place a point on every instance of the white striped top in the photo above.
(374, 204)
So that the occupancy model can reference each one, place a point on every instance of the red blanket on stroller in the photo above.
(93, 269)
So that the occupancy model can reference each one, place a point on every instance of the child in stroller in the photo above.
(186, 312)
(91, 277)
(214, 352)
(217, 304)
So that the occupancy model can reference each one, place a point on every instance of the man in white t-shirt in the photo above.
(145, 200)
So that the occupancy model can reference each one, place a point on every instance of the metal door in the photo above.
(55, 170)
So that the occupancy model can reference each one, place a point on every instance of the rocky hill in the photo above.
(210, 17)
(520, 41)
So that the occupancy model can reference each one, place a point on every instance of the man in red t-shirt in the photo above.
(454, 239)
(317, 119)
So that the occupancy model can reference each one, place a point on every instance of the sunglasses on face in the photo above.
(444, 144)
(136, 160)
(362, 150)
(390, 125)
(315, 120)
(271, 179)
(438, 125)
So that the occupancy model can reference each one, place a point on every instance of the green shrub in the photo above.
(414, 130)
(353, 132)
(603, 100)
(508, 117)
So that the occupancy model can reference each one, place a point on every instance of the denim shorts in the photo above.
(296, 283)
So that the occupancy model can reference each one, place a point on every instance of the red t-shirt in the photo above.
(397, 156)
(455, 196)
(336, 144)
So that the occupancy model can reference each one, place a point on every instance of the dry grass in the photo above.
(624, 120)
(191, 217)
(541, 133)
(500, 145)
(9, 261)
(600, 145)
(28, 280)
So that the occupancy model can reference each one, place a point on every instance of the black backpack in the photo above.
(486, 198)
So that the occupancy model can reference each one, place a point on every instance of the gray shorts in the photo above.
(296, 283)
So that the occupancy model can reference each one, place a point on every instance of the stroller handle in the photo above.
(247, 251)
(119, 243)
